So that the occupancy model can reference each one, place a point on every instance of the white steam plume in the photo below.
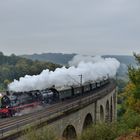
(91, 68)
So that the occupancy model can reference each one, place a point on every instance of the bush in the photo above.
(129, 121)
(41, 134)
(102, 131)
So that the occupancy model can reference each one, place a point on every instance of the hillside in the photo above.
(13, 67)
(63, 59)
(60, 58)
(57, 58)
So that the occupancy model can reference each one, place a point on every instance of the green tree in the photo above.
(13, 67)
(6, 82)
(132, 91)
(42, 134)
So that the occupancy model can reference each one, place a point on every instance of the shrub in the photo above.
(41, 134)
(100, 131)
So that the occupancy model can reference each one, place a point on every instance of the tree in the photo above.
(134, 76)
(132, 90)
(6, 82)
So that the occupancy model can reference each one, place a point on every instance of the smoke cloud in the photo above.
(92, 68)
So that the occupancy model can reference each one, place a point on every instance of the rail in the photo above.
(14, 127)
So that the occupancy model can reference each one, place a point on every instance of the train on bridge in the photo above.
(14, 102)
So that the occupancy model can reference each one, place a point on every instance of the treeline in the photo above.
(13, 67)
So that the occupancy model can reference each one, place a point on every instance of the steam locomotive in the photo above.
(14, 102)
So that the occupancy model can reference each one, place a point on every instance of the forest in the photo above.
(13, 67)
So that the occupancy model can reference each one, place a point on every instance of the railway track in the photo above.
(51, 111)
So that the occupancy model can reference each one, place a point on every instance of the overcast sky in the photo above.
(93, 27)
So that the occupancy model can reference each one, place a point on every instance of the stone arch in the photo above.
(111, 109)
(69, 133)
(88, 121)
(101, 113)
(107, 111)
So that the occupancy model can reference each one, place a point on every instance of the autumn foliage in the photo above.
(132, 90)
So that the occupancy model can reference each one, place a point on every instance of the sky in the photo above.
(92, 27)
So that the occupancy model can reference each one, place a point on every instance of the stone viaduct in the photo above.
(72, 117)
(101, 110)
